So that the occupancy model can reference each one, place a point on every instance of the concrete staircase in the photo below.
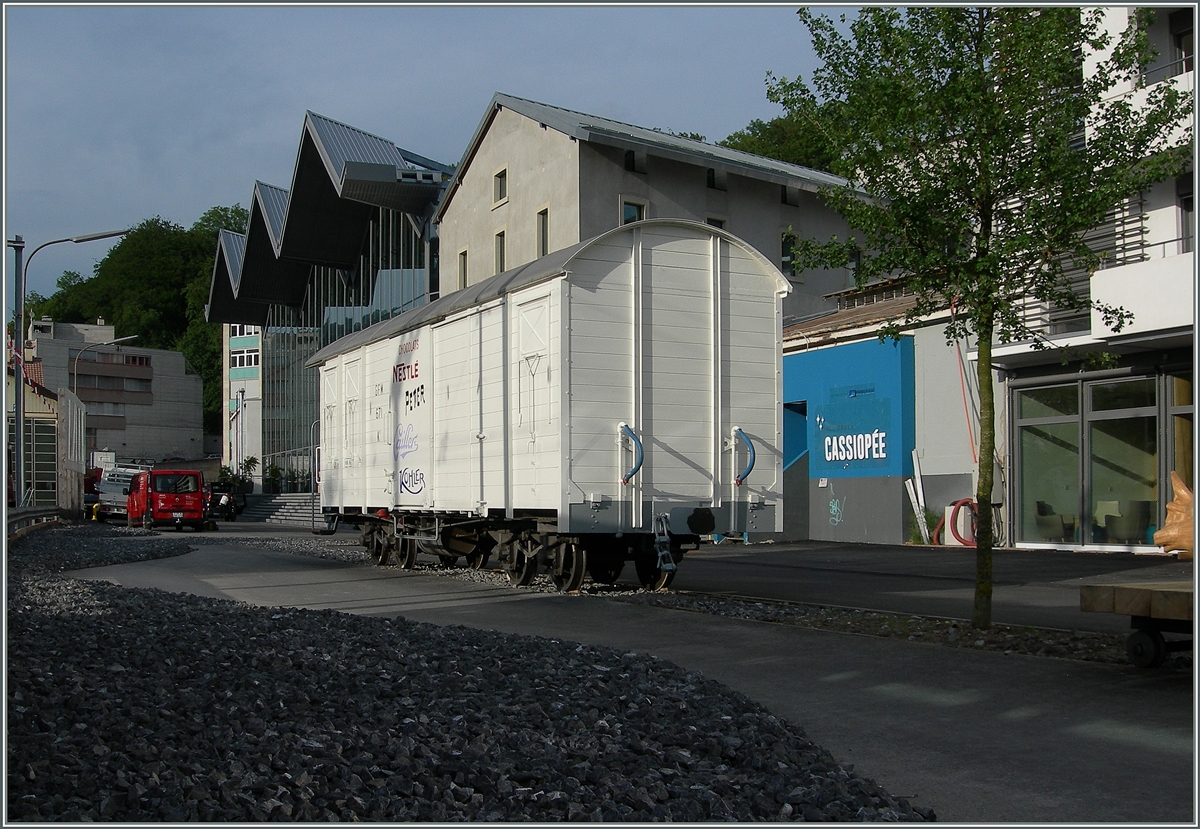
(294, 509)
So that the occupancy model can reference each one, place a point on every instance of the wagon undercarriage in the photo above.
(524, 548)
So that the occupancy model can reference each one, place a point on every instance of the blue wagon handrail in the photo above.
(639, 455)
(737, 430)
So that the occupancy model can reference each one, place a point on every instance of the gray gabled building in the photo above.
(536, 178)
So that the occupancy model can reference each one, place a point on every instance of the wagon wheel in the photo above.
(522, 564)
(605, 569)
(1146, 648)
(407, 558)
(574, 565)
(650, 574)
(380, 546)
(478, 560)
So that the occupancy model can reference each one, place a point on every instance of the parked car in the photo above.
(167, 497)
(112, 490)
(226, 501)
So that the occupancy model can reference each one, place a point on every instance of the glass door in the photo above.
(1048, 457)
(1122, 461)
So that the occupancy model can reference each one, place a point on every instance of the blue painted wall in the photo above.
(861, 419)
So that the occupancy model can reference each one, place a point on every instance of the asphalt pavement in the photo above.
(978, 736)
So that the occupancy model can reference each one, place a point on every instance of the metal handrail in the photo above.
(639, 456)
(1168, 70)
(737, 431)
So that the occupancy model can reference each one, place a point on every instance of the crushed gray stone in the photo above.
(132, 705)
(1089, 646)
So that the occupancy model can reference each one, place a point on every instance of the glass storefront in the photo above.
(390, 278)
(1092, 456)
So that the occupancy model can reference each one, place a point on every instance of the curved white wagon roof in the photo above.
(548, 267)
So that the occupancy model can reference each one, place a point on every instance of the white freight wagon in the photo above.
(612, 401)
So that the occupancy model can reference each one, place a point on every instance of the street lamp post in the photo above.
(18, 245)
(75, 362)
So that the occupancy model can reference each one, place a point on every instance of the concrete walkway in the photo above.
(977, 736)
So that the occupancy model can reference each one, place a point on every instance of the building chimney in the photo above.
(99, 320)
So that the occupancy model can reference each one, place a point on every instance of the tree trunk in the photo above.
(981, 618)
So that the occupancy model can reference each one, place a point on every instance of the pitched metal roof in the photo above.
(599, 130)
(223, 306)
(264, 277)
(272, 201)
(539, 270)
(342, 175)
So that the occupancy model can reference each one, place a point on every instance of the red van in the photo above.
(167, 496)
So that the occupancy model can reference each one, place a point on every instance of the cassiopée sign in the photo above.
(859, 407)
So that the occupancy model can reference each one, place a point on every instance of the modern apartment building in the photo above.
(141, 402)
(1084, 454)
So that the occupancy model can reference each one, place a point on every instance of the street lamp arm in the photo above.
(90, 237)
(75, 363)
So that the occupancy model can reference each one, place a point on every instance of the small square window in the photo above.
(715, 179)
(500, 186)
(632, 212)
(715, 222)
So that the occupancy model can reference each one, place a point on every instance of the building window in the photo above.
(1182, 39)
(462, 269)
(137, 360)
(632, 212)
(500, 252)
(716, 179)
(246, 358)
(1187, 214)
(240, 330)
(500, 187)
(787, 257)
(106, 409)
(715, 222)
(635, 161)
(543, 232)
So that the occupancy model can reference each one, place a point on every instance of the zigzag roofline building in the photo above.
(350, 243)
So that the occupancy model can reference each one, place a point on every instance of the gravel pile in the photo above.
(138, 705)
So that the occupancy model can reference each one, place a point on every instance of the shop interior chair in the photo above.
(1052, 526)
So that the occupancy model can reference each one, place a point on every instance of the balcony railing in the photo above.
(1168, 70)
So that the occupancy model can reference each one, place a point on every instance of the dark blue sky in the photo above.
(116, 114)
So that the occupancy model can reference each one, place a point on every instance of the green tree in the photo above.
(154, 283)
(797, 140)
(962, 130)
